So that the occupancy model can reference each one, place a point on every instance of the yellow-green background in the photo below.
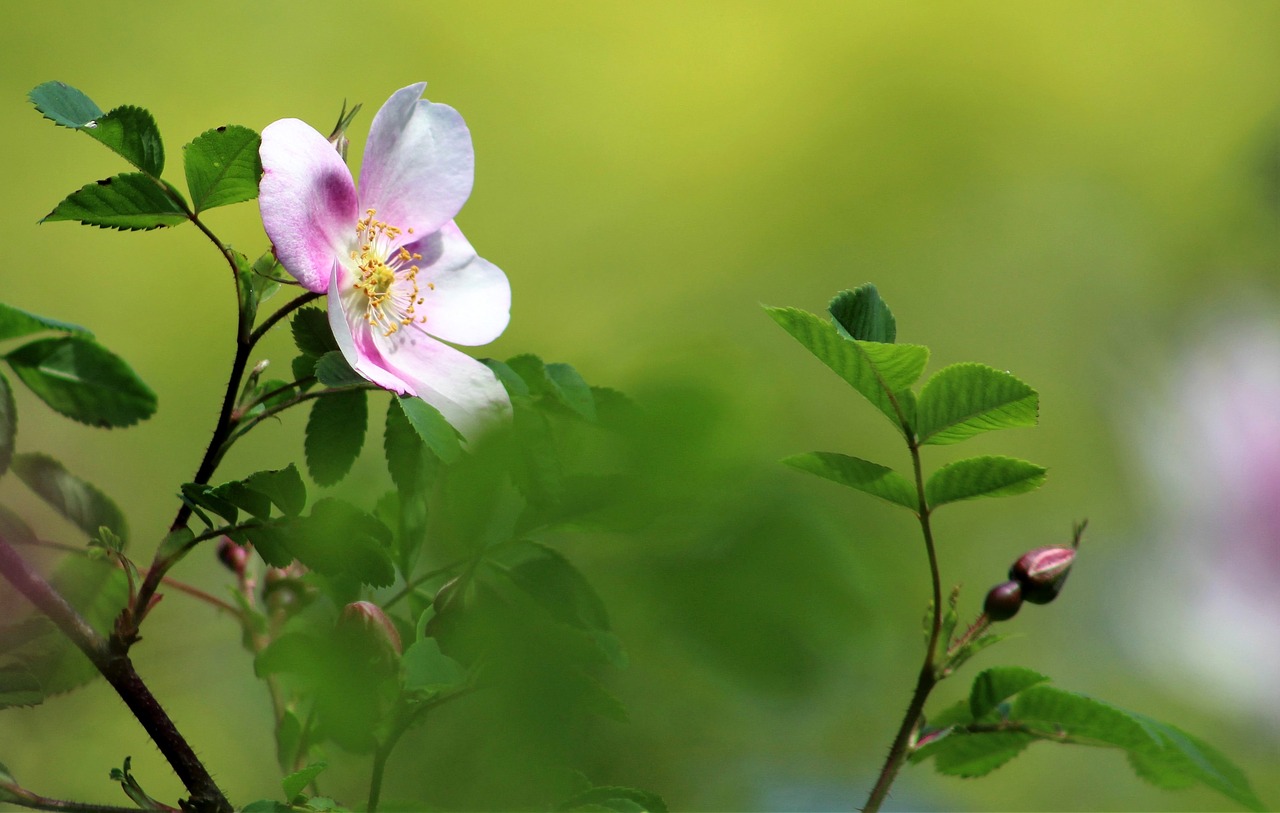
(1048, 188)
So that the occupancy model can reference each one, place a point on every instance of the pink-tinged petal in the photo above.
(418, 163)
(355, 337)
(308, 201)
(465, 391)
(466, 299)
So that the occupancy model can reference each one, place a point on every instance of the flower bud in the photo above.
(1042, 572)
(449, 596)
(1003, 601)
(369, 617)
(234, 556)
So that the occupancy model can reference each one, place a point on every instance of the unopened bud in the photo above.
(369, 617)
(1042, 572)
(448, 597)
(233, 556)
(1003, 601)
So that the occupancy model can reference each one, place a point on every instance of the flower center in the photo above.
(388, 276)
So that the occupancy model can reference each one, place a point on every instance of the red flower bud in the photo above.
(1003, 601)
(369, 617)
(234, 556)
(1042, 572)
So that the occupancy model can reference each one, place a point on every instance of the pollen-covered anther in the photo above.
(387, 276)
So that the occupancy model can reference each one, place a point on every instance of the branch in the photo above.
(119, 672)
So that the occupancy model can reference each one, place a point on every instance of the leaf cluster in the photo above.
(221, 165)
(960, 401)
(1009, 708)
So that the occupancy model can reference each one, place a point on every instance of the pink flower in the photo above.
(399, 274)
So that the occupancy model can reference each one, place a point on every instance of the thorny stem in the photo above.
(288, 308)
(928, 677)
(16, 795)
(116, 667)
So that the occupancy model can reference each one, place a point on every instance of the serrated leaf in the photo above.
(294, 783)
(335, 433)
(403, 449)
(70, 496)
(964, 400)
(8, 425)
(19, 686)
(571, 390)
(64, 105)
(433, 428)
(862, 314)
(271, 541)
(1181, 759)
(425, 669)
(15, 323)
(312, 333)
(878, 371)
(222, 166)
(986, 476)
(871, 478)
(332, 370)
(337, 539)
(131, 133)
(131, 201)
(971, 755)
(83, 380)
(994, 686)
(284, 487)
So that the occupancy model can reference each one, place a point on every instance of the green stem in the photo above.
(928, 677)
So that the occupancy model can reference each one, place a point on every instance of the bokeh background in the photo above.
(1086, 194)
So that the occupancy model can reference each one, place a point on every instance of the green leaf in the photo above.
(15, 323)
(284, 487)
(571, 390)
(1159, 752)
(963, 400)
(879, 371)
(64, 105)
(70, 496)
(312, 333)
(335, 433)
(294, 783)
(971, 755)
(131, 133)
(874, 479)
(404, 451)
(862, 314)
(200, 496)
(994, 686)
(510, 379)
(19, 686)
(425, 669)
(431, 426)
(83, 380)
(986, 476)
(338, 539)
(333, 371)
(131, 202)
(556, 584)
(222, 166)
(8, 424)
(271, 541)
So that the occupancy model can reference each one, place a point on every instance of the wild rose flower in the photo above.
(399, 275)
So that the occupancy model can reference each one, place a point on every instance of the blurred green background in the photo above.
(1063, 190)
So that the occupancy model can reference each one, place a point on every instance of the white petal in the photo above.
(466, 299)
(465, 391)
(418, 163)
